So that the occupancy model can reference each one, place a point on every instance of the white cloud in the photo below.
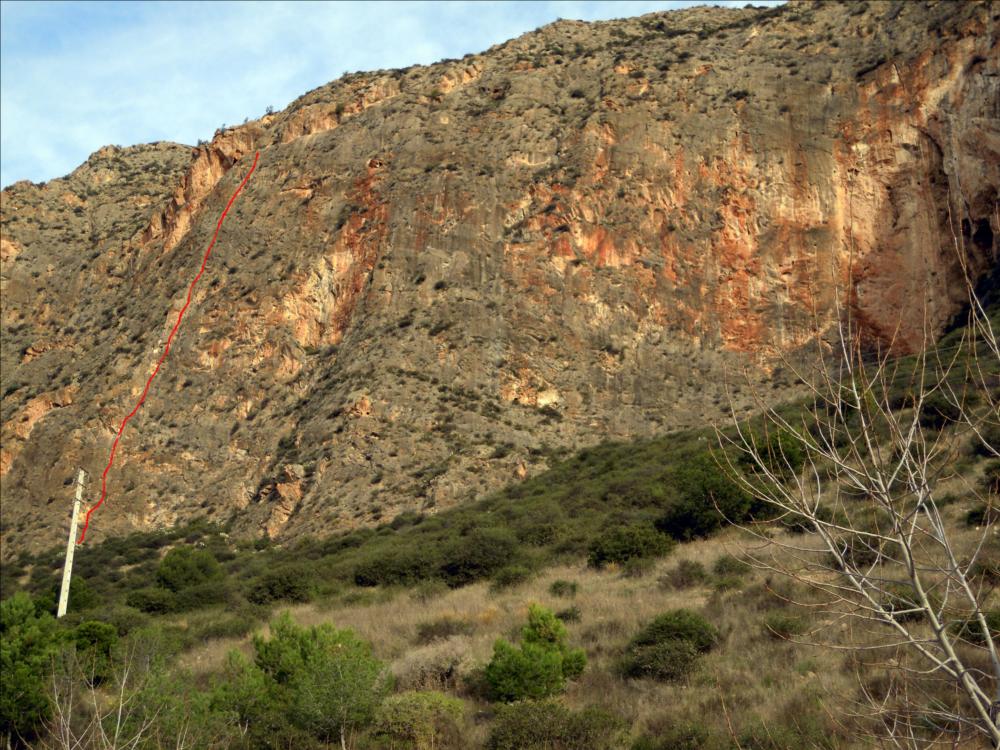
(75, 77)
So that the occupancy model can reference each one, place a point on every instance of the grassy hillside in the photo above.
(612, 539)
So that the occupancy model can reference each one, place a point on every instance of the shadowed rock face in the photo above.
(438, 275)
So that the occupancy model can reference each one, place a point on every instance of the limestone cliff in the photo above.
(439, 275)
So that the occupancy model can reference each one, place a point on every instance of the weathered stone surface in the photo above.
(437, 275)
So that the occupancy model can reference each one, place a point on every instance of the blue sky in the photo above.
(75, 76)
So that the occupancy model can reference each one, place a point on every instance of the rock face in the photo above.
(438, 276)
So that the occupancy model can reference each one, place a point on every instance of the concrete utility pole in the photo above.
(70, 546)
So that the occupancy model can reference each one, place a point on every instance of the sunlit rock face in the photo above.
(438, 276)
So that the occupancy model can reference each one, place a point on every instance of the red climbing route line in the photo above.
(166, 351)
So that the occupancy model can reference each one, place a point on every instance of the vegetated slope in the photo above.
(437, 275)
(676, 483)
(192, 593)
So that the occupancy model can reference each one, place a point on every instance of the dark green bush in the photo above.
(938, 411)
(686, 736)
(780, 450)
(972, 631)
(202, 595)
(510, 576)
(441, 628)
(901, 601)
(681, 625)
(727, 565)
(783, 626)
(152, 601)
(403, 566)
(708, 498)
(987, 569)
(988, 441)
(223, 625)
(327, 679)
(123, 618)
(983, 515)
(638, 567)
(94, 641)
(796, 524)
(570, 614)
(688, 573)
(81, 597)
(547, 725)
(477, 555)
(669, 646)
(29, 640)
(669, 661)
(990, 481)
(183, 567)
(288, 583)
(566, 589)
(624, 543)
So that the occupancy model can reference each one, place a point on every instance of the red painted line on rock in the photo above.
(166, 351)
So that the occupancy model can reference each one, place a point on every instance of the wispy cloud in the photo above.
(77, 76)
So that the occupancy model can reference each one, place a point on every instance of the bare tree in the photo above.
(867, 466)
(87, 715)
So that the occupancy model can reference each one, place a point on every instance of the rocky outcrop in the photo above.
(440, 277)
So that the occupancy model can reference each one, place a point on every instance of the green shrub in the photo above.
(477, 555)
(708, 497)
(669, 661)
(542, 664)
(288, 583)
(780, 450)
(727, 583)
(183, 567)
(638, 567)
(686, 736)
(988, 440)
(797, 524)
(530, 671)
(727, 565)
(441, 628)
(222, 625)
(565, 589)
(783, 626)
(990, 481)
(688, 573)
(28, 642)
(987, 569)
(420, 720)
(331, 681)
(202, 595)
(510, 576)
(125, 619)
(938, 411)
(624, 543)
(81, 597)
(901, 601)
(152, 601)
(547, 725)
(681, 625)
(669, 646)
(570, 614)
(982, 515)
(972, 631)
(404, 566)
(94, 641)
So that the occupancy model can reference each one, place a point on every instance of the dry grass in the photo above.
(752, 676)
